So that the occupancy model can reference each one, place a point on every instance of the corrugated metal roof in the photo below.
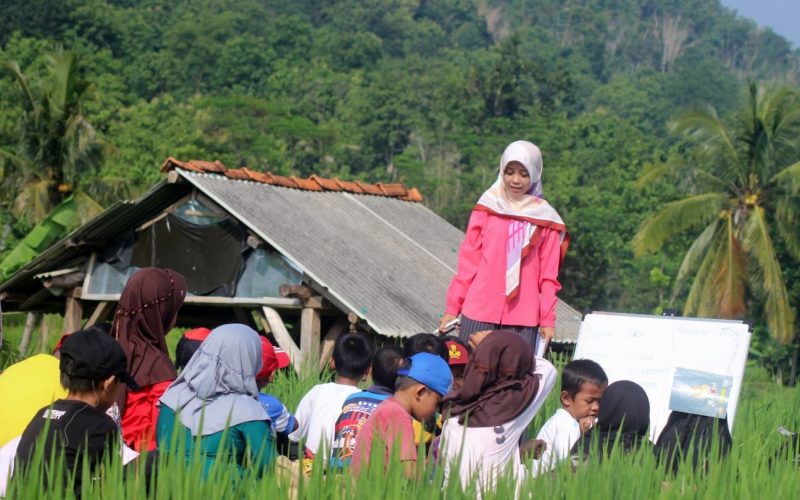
(116, 219)
(387, 260)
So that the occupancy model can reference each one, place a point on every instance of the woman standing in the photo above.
(508, 263)
(147, 311)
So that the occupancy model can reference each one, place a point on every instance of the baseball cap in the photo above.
(270, 360)
(430, 370)
(93, 355)
(457, 353)
(283, 357)
(197, 334)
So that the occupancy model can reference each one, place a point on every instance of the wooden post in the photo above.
(100, 313)
(272, 322)
(45, 333)
(309, 334)
(329, 341)
(73, 316)
(30, 323)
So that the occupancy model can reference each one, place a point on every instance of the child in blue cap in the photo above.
(422, 382)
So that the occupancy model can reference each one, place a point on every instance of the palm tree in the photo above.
(743, 187)
(57, 145)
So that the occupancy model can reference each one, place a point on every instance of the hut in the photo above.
(303, 259)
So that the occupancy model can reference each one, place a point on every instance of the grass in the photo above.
(755, 468)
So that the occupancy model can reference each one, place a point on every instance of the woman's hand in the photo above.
(446, 318)
(547, 332)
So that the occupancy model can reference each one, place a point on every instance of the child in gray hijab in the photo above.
(215, 393)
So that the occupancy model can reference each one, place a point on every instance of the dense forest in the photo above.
(426, 93)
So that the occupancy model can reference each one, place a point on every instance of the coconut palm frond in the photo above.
(676, 217)
(787, 213)
(694, 256)
(788, 178)
(33, 201)
(56, 144)
(757, 242)
(87, 207)
(711, 181)
(698, 298)
(706, 128)
(653, 173)
(13, 68)
(730, 275)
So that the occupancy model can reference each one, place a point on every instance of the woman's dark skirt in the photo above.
(470, 326)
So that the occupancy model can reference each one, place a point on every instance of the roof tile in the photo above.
(393, 189)
(370, 188)
(313, 183)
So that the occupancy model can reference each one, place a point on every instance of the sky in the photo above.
(783, 16)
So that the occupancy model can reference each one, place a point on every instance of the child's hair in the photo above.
(385, 364)
(426, 342)
(74, 384)
(578, 372)
(188, 344)
(404, 381)
(352, 354)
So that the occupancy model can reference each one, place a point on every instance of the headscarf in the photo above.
(691, 437)
(624, 418)
(146, 311)
(529, 212)
(499, 383)
(217, 389)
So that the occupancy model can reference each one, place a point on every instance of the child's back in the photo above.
(359, 406)
(320, 407)
(317, 413)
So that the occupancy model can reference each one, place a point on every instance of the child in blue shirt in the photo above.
(359, 406)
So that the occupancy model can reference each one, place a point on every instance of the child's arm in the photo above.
(532, 448)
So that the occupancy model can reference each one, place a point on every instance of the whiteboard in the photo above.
(648, 349)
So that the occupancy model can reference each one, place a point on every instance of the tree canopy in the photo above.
(425, 93)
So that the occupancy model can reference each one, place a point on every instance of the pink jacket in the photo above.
(478, 288)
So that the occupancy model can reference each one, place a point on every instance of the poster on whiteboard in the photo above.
(685, 363)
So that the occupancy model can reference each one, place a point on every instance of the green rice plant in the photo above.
(754, 468)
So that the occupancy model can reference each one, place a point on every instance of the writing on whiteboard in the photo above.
(649, 349)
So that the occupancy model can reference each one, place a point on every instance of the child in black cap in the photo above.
(92, 365)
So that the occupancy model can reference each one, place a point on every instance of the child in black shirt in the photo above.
(92, 365)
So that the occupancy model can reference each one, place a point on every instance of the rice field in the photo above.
(759, 466)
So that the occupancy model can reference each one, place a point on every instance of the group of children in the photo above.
(468, 406)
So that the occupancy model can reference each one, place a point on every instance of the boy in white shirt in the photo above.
(582, 385)
(320, 407)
